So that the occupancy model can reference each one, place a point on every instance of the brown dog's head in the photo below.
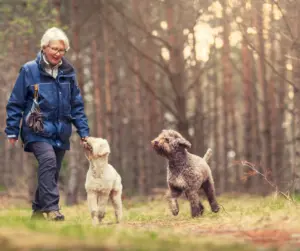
(96, 148)
(169, 142)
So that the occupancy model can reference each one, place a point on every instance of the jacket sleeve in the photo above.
(79, 118)
(16, 105)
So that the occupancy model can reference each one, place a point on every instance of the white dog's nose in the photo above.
(154, 142)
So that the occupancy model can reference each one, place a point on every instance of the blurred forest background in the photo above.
(225, 74)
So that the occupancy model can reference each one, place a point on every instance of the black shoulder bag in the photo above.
(34, 119)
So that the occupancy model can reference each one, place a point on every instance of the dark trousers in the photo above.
(49, 159)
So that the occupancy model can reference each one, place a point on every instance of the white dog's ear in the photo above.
(102, 155)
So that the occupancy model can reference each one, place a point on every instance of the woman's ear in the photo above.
(44, 48)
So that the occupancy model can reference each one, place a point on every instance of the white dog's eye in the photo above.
(167, 140)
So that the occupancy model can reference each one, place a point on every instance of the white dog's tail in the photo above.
(207, 155)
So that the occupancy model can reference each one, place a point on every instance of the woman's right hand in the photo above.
(12, 141)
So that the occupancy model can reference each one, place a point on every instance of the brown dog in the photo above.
(186, 172)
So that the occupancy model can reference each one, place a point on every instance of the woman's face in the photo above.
(54, 51)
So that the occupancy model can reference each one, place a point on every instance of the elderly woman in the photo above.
(49, 85)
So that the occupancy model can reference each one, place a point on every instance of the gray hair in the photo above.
(54, 34)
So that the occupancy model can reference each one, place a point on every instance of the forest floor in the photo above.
(244, 223)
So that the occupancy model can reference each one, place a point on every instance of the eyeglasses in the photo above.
(56, 50)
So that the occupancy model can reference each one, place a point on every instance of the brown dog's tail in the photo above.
(207, 155)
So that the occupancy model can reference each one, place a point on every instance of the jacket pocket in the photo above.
(49, 130)
(65, 130)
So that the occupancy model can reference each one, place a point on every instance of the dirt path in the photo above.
(268, 237)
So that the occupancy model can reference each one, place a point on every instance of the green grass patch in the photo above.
(148, 225)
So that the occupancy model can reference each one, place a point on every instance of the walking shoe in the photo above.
(55, 216)
(37, 215)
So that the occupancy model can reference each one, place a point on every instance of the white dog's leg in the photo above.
(116, 199)
(93, 207)
(102, 202)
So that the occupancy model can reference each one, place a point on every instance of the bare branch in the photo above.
(141, 28)
(269, 63)
(255, 171)
(207, 66)
(149, 88)
(284, 18)
(139, 51)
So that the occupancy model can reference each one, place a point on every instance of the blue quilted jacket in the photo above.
(59, 100)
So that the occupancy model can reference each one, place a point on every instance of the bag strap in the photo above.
(35, 72)
(36, 92)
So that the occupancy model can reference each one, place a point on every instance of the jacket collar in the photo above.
(65, 67)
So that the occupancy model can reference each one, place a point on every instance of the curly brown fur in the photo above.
(186, 172)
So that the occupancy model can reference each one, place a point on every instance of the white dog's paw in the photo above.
(95, 221)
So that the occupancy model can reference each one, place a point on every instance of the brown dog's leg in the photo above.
(172, 195)
(196, 205)
(209, 190)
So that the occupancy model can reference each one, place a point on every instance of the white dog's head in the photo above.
(96, 148)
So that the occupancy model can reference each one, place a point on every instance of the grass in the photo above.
(244, 223)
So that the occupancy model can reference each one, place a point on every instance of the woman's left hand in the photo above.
(83, 140)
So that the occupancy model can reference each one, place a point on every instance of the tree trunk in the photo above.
(199, 127)
(249, 101)
(266, 117)
(272, 106)
(227, 76)
(216, 127)
(97, 90)
(280, 118)
(296, 80)
(107, 81)
(74, 163)
(176, 70)
(57, 6)
(73, 174)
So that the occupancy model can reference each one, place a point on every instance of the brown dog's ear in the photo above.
(183, 142)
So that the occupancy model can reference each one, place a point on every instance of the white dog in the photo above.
(102, 180)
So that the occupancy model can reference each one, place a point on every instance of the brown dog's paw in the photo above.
(197, 211)
(215, 207)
